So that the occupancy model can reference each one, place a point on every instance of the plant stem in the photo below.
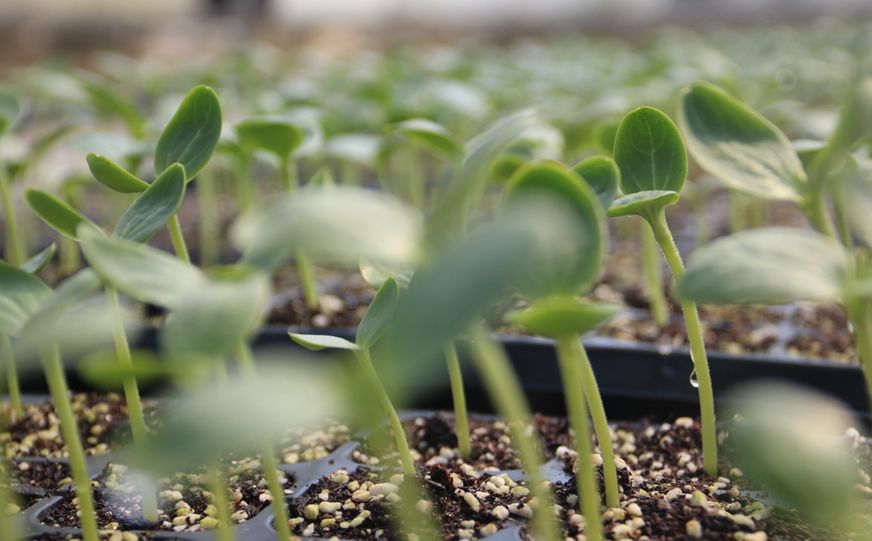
(376, 385)
(177, 238)
(57, 385)
(653, 276)
(245, 190)
(289, 175)
(349, 174)
(585, 473)
(697, 347)
(308, 284)
(600, 423)
(505, 391)
(207, 208)
(816, 211)
(414, 179)
(15, 252)
(858, 312)
(70, 256)
(738, 212)
(9, 526)
(223, 532)
(8, 357)
(458, 396)
(844, 228)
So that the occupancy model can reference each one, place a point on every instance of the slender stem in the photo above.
(15, 252)
(12, 384)
(858, 311)
(178, 239)
(245, 190)
(9, 525)
(289, 175)
(308, 284)
(57, 385)
(376, 385)
(600, 423)
(458, 396)
(697, 348)
(223, 532)
(738, 211)
(653, 276)
(585, 473)
(816, 211)
(274, 483)
(505, 391)
(844, 227)
(207, 208)
(70, 256)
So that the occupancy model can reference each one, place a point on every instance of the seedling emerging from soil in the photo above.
(653, 163)
(557, 313)
(372, 326)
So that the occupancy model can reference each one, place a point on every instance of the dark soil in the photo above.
(343, 298)
(184, 501)
(40, 478)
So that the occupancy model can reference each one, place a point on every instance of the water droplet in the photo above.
(693, 382)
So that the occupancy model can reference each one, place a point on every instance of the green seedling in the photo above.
(555, 312)
(370, 330)
(14, 247)
(354, 152)
(653, 163)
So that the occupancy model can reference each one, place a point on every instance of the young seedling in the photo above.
(653, 163)
(14, 247)
(353, 152)
(555, 312)
(371, 328)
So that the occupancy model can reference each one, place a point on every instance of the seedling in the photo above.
(653, 163)
(556, 313)
(14, 247)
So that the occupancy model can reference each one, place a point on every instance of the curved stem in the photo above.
(376, 385)
(8, 358)
(653, 276)
(600, 423)
(308, 284)
(289, 175)
(458, 396)
(57, 386)
(223, 532)
(505, 391)
(178, 239)
(816, 211)
(245, 190)
(697, 348)
(9, 525)
(15, 252)
(585, 473)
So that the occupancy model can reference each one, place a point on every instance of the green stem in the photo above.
(71, 259)
(585, 473)
(600, 423)
(178, 239)
(816, 211)
(505, 391)
(414, 179)
(15, 252)
(308, 284)
(349, 175)
(224, 531)
(844, 228)
(738, 212)
(207, 208)
(376, 385)
(653, 276)
(458, 396)
(289, 175)
(245, 190)
(9, 525)
(697, 348)
(57, 385)
(8, 357)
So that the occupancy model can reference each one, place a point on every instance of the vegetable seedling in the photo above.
(555, 312)
(653, 163)
(372, 326)
(14, 247)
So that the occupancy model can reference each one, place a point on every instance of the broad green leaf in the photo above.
(739, 146)
(21, 294)
(211, 320)
(379, 314)
(114, 176)
(340, 226)
(791, 442)
(191, 135)
(56, 213)
(274, 134)
(9, 110)
(769, 265)
(151, 210)
(317, 342)
(565, 273)
(563, 315)
(602, 175)
(852, 188)
(102, 369)
(140, 271)
(649, 152)
(375, 275)
(430, 135)
(645, 203)
(40, 260)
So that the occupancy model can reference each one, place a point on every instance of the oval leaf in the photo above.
(191, 135)
(770, 265)
(562, 316)
(649, 152)
(40, 260)
(151, 210)
(645, 203)
(111, 175)
(56, 213)
(21, 294)
(273, 134)
(602, 175)
(317, 342)
(739, 146)
(378, 315)
(430, 135)
(855, 119)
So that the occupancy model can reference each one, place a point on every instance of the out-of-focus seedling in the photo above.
(653, 164)
(14, 247)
